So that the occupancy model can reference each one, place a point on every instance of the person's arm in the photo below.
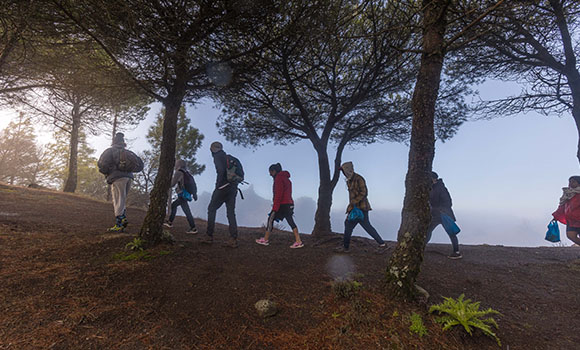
(177, 176)
(278, 191)
(104, 163)
(559, 214)
(220, 162)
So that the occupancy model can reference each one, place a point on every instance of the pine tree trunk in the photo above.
(322, 217)
(71, 180)
(405, 263)
(152, 230)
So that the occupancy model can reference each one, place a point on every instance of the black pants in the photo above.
(286, 211)
(226, 195)
(436, 221)
(185, 207)
(366, 224)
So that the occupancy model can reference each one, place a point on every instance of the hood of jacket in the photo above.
(348, 169)
(284, 174)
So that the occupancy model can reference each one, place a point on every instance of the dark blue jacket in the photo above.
(221, 168)
(440, 200)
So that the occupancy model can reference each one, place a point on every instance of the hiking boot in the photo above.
(341, 249)
(383, 246)
(116, 228)
(124, 221)
(231, 243)
(297, 245)
(455, 256)
(168, 224)
(207, 240)
(192, 231)
(263, 241)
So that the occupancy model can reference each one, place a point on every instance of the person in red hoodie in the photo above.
(283, 206)
(568, 211)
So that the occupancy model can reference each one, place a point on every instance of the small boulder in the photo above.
(266, 308)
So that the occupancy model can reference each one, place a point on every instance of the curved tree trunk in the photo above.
(72, 177)
(405, 263)
(322, 217)
(152, 231)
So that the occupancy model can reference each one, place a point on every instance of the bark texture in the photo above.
(405, 263)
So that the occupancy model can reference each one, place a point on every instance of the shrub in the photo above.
(417, 325)
(346, 289)
(136, 245)
(467, 314)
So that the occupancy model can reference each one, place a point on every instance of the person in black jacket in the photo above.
(440, 201)
(120, 181)
(224, 192)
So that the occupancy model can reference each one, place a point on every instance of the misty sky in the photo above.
(504, 175)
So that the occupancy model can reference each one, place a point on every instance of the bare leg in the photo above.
(296, 235)
(573, 236)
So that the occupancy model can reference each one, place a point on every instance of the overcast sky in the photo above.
(505, 175)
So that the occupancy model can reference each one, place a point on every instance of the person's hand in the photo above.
(194, 196)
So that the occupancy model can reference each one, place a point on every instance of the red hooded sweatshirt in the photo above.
(569, 212)
(282, 190)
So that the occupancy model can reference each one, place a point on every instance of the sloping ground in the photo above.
(62, 288)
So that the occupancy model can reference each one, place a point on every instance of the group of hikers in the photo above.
(230, 173)
(226, 189)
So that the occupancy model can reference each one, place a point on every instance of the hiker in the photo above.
(224, 192)
(283, 205)
(357, 193)
(183, 179)
(568, 211)
(119, 176)
(440, 202)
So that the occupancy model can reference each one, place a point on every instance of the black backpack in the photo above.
(234, 170)
(128, 161)
(189, 183)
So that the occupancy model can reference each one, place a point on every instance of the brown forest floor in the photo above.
(62, 288)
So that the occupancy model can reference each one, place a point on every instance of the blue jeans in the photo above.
(436, 221)
(366, 225)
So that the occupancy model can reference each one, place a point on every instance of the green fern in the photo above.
(467, 314)
(136, 245)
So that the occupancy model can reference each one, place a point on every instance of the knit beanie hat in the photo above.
(216, 147)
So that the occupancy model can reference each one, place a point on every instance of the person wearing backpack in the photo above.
(282, 207)
(225, 192)
(186, 191)
(358, 208)
(118, 165)
(440, 201)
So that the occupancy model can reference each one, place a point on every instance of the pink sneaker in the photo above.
(262, 241)
(297, 245)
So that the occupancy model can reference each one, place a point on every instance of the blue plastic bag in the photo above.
(355, 214)
(553, 234)
(449, 225)
(186, 195)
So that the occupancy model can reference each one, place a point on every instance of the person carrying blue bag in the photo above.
(186, 191)
(358, 208)
(441, 213)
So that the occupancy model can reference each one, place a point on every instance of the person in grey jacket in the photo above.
(120, 181)
(179, 180)
(441, 203)
(224, 192)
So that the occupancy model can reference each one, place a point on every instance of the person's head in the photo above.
(347, 169)
(216, 147)
(180, 164)
(275, 169)
(574, 181)
(434, 177)
(119, 139)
